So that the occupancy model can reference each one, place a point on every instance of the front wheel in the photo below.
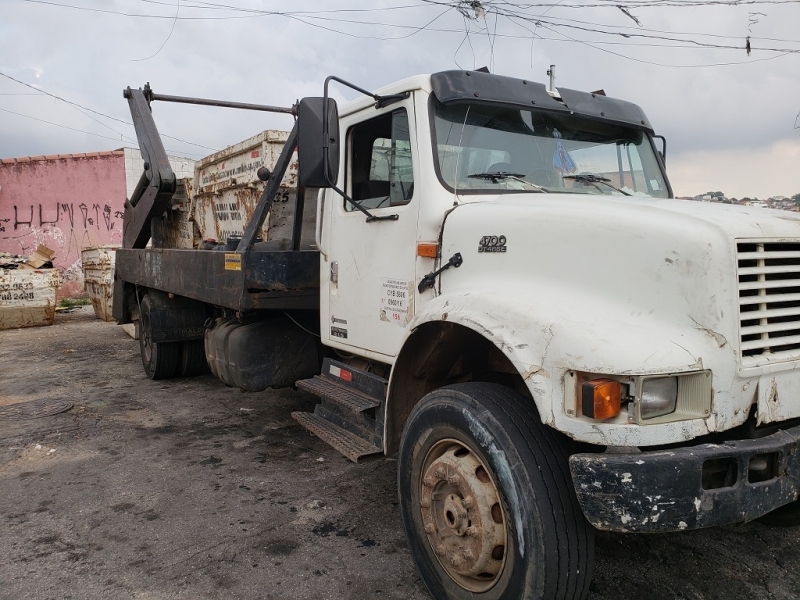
(487, 501)
(785, 516)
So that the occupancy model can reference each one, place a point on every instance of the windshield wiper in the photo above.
(591, 178)
(496, 176)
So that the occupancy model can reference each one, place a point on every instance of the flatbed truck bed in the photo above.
(255, 279)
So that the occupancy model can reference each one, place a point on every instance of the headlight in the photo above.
(640, 399)
(673, 397)
(659, 397)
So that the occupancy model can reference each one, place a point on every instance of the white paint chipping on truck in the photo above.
(508, 297)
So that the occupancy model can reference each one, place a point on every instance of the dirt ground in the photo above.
(190, 489)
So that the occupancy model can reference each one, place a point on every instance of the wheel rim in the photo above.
(462, 515)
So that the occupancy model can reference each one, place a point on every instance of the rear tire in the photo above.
(487, 501)
(193, 358)
(159, 359)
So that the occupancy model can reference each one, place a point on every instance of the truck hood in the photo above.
(607, 263)
(625, 286)
(739, 221)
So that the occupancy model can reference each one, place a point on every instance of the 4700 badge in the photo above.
(492, 243)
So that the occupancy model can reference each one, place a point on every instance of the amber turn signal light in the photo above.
(602, 398)
(427, 249)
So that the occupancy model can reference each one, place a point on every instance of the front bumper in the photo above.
(688, 488)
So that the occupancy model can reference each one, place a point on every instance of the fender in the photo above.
(545, 337)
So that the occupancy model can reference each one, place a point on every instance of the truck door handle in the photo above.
(430, 279)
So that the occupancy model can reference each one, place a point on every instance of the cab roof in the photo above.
(454, 87)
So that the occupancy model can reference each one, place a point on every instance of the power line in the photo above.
(491, 7)
(126, 14)
(105, 137)
(75, 104)
(647, 62)
(161, 47)
(60, 125)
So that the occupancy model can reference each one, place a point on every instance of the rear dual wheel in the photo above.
(163, 360)
(159, 359)
(487, 501)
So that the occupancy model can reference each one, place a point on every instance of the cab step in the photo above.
(333, 391)
(351, 413)
(348, 444)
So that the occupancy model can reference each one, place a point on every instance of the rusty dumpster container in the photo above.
(226, 188)
(27, 297)
(98, 278)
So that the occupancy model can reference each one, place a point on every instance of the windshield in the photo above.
(496, 149)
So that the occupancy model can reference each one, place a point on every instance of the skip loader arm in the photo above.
(157, 183)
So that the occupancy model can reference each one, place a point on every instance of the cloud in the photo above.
(755, 172)
(88, 57)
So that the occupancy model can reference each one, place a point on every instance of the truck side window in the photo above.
(381, 174)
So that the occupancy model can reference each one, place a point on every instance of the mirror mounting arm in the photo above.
(391, 99)
(326, 140)
(370, 217)
(663, 147)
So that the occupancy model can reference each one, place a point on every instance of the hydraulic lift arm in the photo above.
(157, 184)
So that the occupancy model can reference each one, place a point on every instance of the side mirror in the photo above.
(318, 142)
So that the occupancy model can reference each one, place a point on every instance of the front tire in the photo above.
(785, 516)
(487, 501)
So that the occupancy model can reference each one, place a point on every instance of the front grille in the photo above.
(769, 301)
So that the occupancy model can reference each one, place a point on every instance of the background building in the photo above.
(68, 202)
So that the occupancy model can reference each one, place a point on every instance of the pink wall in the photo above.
(66, 202)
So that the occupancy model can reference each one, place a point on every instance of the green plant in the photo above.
(73, 302)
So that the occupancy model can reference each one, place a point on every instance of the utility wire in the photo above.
(105, 137)
(59, 125)
(306, 16)
(657, 64)
(76, 105)
(161, 47)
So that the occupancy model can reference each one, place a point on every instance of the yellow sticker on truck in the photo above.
(233, 262)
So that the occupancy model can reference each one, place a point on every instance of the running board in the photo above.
(345, 443)
(351, 415)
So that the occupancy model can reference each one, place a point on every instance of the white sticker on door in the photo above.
(395, 301)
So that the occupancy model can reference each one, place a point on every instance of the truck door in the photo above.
(371, 289)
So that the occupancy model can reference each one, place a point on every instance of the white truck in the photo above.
(508, 298)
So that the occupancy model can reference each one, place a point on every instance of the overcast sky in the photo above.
(731, 120)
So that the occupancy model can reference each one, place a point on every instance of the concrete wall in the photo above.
(134, 165)
(68, 202)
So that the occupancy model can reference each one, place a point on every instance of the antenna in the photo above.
(552, 73)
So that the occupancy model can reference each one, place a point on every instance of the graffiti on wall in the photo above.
(88, 216)
(65, 227)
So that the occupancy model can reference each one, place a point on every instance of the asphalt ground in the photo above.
(190, 489)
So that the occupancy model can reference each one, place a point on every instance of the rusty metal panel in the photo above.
(226, 187)
(27, 297)
(175, 227)
(98, 277)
